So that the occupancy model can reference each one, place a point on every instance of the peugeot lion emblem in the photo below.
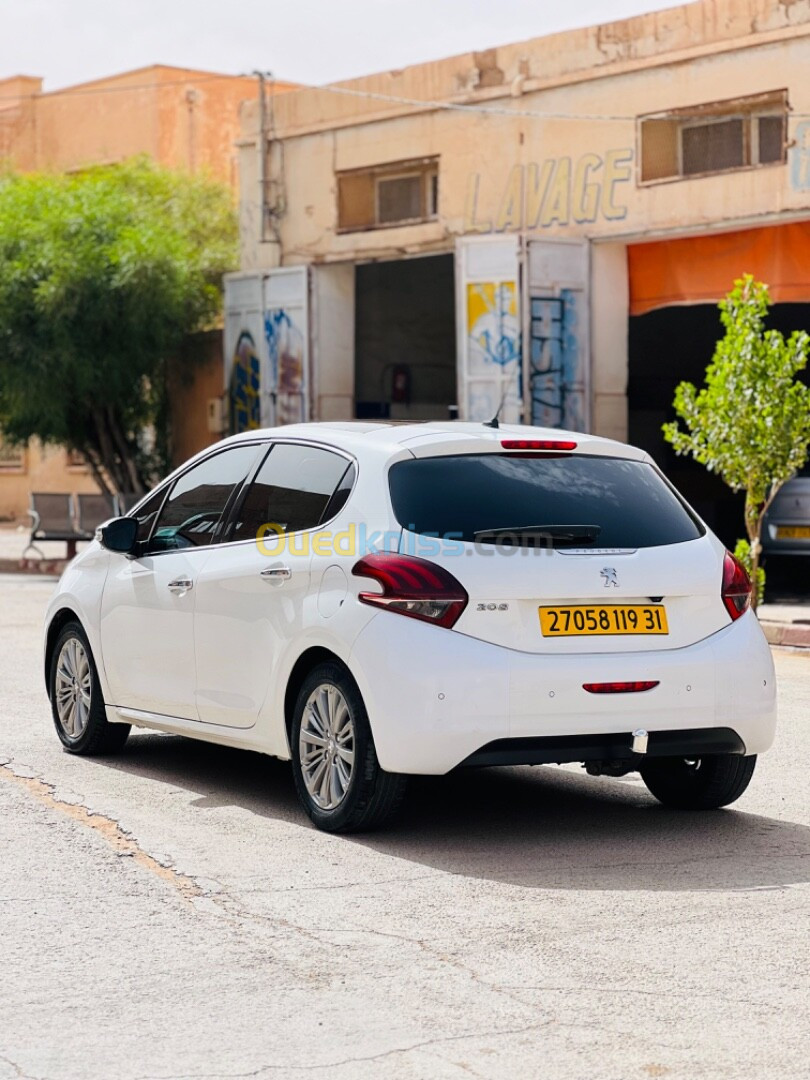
(609, 574)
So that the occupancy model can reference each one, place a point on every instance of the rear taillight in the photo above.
(413, 587)
(736, 591)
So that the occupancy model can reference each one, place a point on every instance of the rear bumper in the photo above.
(437, 699)
(558, 749)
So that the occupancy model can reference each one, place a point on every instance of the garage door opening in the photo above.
(667, 346)
(405, 339)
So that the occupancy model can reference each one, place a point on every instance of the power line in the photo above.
(297, 88)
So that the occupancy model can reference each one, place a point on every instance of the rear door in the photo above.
(645, 575)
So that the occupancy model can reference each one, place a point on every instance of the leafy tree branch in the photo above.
(750, 422)
(102, 274)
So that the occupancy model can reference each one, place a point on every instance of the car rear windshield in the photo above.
(467, 496)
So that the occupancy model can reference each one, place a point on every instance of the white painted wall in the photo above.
(610, 311)
(333, 341)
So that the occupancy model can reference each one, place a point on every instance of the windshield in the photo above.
(471, 497)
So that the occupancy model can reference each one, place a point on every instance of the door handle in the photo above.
(180, 586)
(276, 574)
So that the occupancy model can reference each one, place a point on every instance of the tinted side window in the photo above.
(292, 490)
(192, 514)
(342, 493)
(146, 514)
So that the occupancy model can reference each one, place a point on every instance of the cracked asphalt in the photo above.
(171, 913)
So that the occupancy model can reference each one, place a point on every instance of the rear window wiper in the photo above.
(552, 535)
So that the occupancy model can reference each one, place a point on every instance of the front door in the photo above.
(147, 608)
(252, 592)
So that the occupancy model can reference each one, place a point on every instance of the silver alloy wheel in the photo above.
(326, 746)
(73, 687)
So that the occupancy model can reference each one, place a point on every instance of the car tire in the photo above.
(77, 703)
(705, 783)
(337, 775)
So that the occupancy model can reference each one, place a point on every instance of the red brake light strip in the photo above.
(620, 687)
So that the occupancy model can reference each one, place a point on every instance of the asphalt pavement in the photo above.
(171, 913)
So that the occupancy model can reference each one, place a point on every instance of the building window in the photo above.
(717, 137)
(75, 461)
(12, 459)
(401, 193)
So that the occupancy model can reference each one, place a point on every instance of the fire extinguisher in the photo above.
(401, 384)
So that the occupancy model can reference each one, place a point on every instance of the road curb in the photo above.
(793, 634)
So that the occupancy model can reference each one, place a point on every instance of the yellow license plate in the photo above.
(793, 532)
(578, 621)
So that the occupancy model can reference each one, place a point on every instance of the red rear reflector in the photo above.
(619, 687)
(736, 591)
(538, 444)
(413, 587)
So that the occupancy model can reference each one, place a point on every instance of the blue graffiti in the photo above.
(495, 337)
(499, 349)
(286, 349)
(245, 386)
(556, 361)
(277, 325)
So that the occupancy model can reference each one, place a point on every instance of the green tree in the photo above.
(102, 275)
(750, 422)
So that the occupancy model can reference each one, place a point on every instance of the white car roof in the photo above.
(434, 437)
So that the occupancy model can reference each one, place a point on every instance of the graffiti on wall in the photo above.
(493, 333)
(285, 345)
(555, 192)
(556, 361)
(492, 324)
(244, 394)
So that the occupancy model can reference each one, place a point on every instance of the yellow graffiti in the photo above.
(488, 297)
(493, 328)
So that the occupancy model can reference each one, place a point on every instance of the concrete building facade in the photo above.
(181, 117)
(543, 227)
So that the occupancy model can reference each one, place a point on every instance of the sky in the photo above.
(309, 41)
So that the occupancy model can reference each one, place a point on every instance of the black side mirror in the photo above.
(119, 535)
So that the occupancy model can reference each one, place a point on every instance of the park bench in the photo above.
(93, 511)
(53, 517)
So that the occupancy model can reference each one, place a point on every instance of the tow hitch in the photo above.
(622, 766)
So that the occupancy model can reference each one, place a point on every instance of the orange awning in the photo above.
(702, 269)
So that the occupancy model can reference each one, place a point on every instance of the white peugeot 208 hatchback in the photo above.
(377, 600)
